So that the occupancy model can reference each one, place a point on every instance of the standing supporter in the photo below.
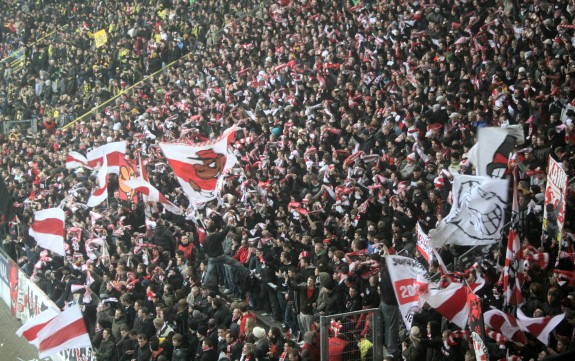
(307, 294)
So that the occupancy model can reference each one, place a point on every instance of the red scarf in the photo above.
(229, 349)
(310, 292)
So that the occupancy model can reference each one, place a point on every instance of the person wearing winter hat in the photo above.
(415, 351)
(262, 344)
(259, 332)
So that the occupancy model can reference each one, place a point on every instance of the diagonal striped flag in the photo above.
(513, 272)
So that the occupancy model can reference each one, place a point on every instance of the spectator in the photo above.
(415, 350)
(233, 346)
(143, 352)
(180, 352)
(107, 350)
(307, 294)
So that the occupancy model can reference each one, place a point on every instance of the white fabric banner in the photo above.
(477, 213)
(423, 244)
(404, 273)
(491, 152)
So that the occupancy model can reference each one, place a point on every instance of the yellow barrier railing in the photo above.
(20, 54)
(99, 106)
(127, 90)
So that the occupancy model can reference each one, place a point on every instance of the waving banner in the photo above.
(490, 154)
(477, 214)
(404, 274)
(200, 167)
(555, 194)
(423, 244)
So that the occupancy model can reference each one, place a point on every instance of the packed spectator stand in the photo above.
(352, 118)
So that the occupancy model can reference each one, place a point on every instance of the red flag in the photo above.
(48, 229)
(201, 234)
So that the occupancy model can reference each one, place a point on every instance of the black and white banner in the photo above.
(477, 213)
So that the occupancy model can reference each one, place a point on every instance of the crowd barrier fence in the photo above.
(26, 300)
(364, 327)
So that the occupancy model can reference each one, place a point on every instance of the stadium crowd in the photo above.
(352, 117)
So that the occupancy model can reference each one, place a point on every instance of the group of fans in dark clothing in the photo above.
(352, 117)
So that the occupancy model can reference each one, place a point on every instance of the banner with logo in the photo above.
(423, 246)
(404, 272)
(477, 214)
(31, 299)
(101, 38)
(128, 171)
(555, 195)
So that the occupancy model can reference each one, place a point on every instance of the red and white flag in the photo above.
(200, 167)
(100, 194)
(75, 160)
(540, 327)
(48, 229)
(142, 169)
(66, 331)
(537, 257)
(113, 152)
(31, 328)
(153, 194)
(94, 217)
(442, 267)
(423, 244)
(451, 302)
(505, 324)
(513, 272)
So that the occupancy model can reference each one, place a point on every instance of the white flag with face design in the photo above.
(477, 214)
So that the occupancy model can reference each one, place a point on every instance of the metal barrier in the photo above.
(8, 126)
(25, 300)
(338, 333)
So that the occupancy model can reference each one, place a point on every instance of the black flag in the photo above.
(5, 203)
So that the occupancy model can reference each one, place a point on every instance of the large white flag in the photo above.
(477, 214)
(405, 274)
(491, 152)
(200, 167)
(48, 229)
